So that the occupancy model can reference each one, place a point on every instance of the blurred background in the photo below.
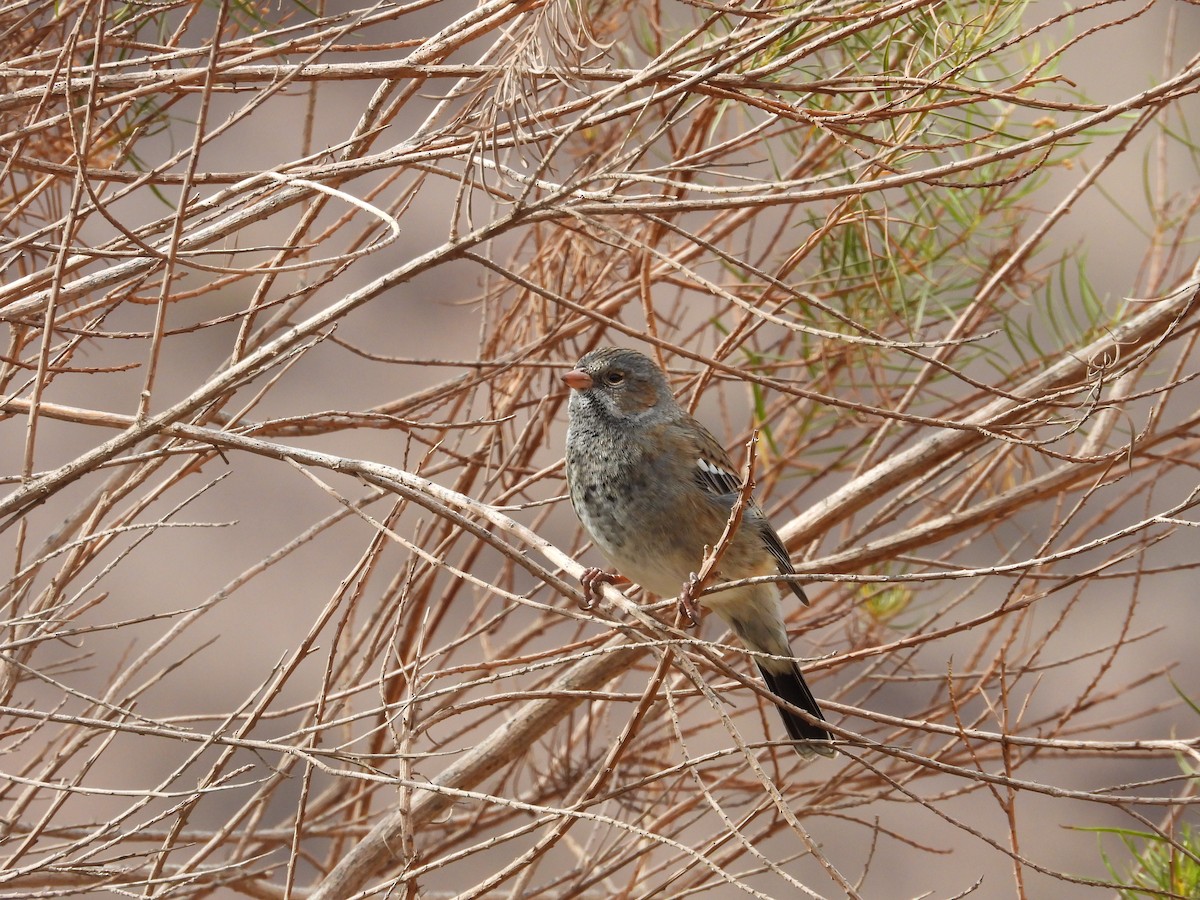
(941, 257)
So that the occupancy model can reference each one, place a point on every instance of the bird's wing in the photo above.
(715, 475)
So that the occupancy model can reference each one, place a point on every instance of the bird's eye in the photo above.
(614, 378)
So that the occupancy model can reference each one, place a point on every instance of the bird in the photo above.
(654, 489)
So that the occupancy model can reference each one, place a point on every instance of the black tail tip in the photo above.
(809, 749)
(810, 738)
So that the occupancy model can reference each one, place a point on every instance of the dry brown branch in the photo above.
(291, 605)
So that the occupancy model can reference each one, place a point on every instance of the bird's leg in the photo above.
(689, 607)
(592, 577)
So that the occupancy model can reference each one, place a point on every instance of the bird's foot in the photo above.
(689, 607)
(592, 577)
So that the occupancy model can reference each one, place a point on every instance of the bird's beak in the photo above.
(577, 379)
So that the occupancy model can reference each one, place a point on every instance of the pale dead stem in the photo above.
(1148, 328)
(20, 299)
(620, 191)
(539, 716)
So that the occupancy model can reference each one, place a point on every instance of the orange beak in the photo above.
(578, 379)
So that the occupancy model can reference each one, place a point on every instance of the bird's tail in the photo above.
(756, 619)
(789, 685)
